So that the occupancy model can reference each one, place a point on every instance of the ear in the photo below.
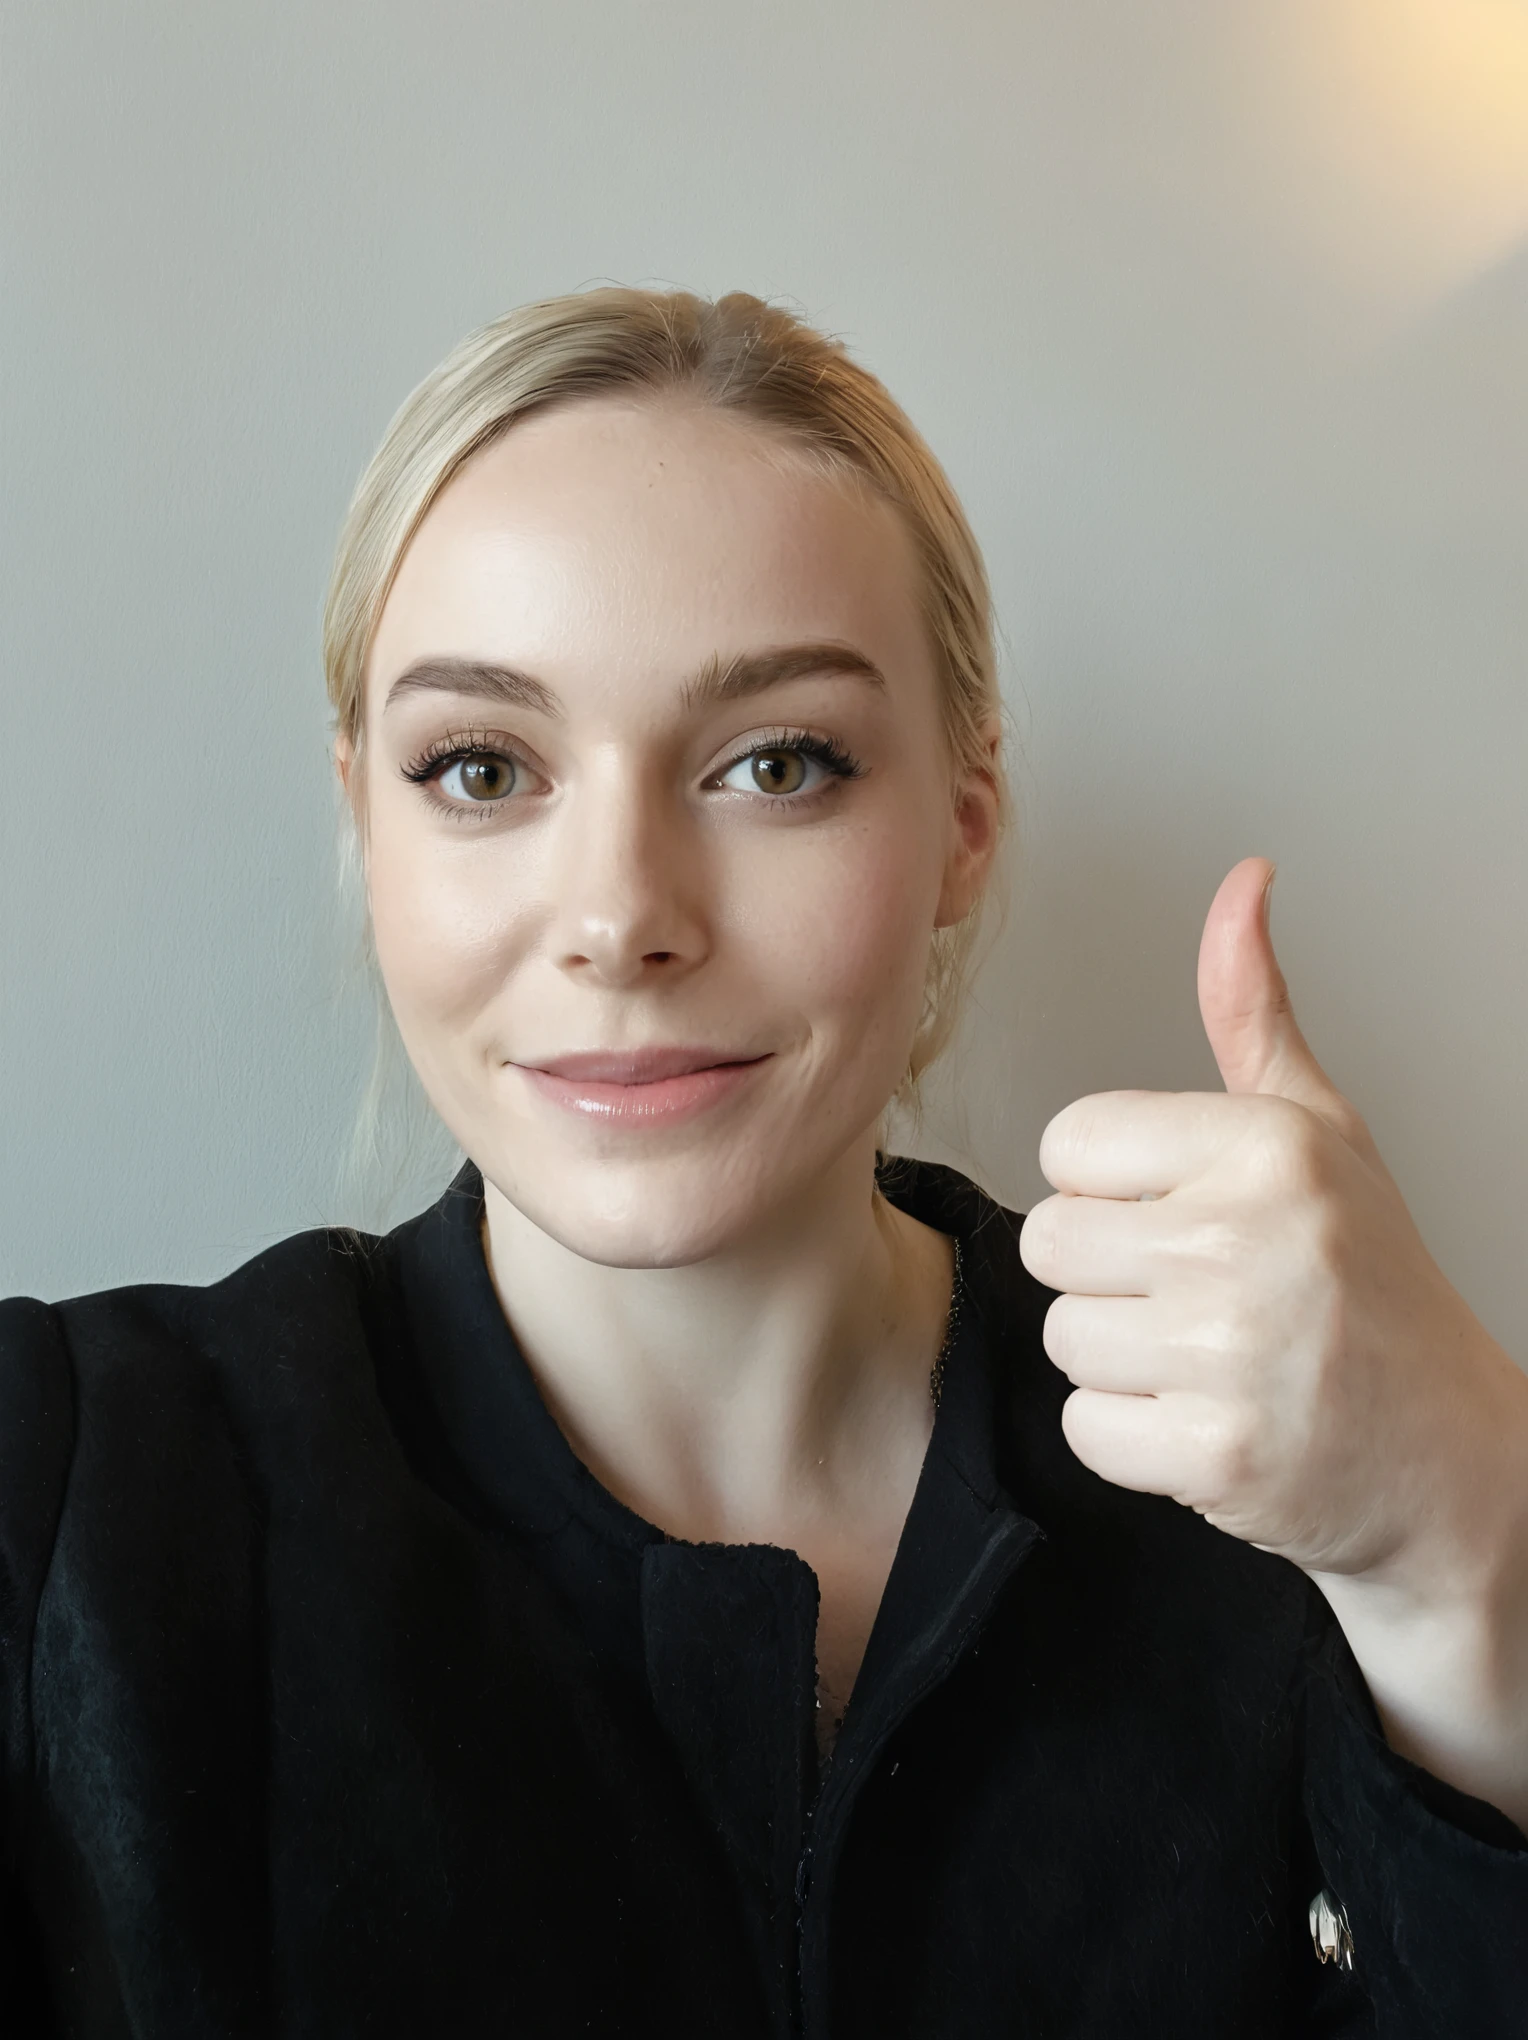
(352, 778)
(976, 825)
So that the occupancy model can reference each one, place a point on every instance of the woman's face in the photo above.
(659, 821)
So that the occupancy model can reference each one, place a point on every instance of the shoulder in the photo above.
(154, 1389)
(165, 1372)
(319, 1274)
(36, 1447)
(309, 1298)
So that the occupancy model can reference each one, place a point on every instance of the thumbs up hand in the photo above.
(1254, 1327)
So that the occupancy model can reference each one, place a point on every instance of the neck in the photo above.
(762, 1395)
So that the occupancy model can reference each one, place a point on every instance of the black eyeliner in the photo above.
(455, 746)
(826, 751)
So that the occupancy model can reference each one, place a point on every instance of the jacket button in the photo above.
(1329, 1930)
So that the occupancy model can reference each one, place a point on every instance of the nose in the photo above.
(628, 901)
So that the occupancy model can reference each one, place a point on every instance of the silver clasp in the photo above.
(1329, 1930)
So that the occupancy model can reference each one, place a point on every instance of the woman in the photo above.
(667, 1585)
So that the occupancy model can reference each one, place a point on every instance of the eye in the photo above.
(769, 772)
(782, 766)
(480, 776)
(466, 773)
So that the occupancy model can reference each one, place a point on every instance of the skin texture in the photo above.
(1267, 1339)
(733, 1330)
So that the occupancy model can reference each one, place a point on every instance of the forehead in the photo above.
(647, 538)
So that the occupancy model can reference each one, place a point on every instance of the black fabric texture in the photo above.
(338, 1698)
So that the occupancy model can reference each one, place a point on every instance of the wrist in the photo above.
(1440, 1627)
(1450, 1687)
(1457, 1502)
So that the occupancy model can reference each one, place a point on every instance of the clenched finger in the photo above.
(1138, 1143)
(1097, 1246)
(1193, 1447)
(1130, 1345)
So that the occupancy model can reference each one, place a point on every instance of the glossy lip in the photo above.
(642, 1086)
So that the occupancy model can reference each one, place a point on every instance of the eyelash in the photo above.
(452, 749)
(457, 745)
(824, 751)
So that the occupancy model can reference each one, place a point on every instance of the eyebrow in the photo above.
(503, 684)
(718, 680)
(751, 672)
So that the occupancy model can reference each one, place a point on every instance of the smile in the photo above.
(641, 1087)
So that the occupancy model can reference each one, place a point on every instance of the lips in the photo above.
(637, 1065)
(642, 1087)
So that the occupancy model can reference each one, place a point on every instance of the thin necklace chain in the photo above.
(951, 1326)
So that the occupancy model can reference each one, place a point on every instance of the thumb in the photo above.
(1244, 1002)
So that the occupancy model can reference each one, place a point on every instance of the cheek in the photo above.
(845, 922)
(445, 923)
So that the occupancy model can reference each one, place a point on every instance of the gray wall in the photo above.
(1218, 314)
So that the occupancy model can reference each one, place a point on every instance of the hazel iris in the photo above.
(778, 771)
(486, 777)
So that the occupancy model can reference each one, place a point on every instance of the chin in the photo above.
(633, 1224)
(667, 1212)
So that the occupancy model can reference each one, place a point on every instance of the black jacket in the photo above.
(339, 1699)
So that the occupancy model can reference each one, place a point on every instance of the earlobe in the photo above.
(349, 771)
(973, 845)
(347, 768)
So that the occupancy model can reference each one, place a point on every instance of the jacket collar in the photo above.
(516, 1459)
(728, 1632)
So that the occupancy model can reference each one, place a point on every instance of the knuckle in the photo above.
(1212, 1242)
(1066, 1141)
(1080, 1131)
(1327, 1242)
(1037, 1240)
(1216, 1344)
(1056, 1334)
(1228, 1453)
(1291, 1152)
(1063, 1335)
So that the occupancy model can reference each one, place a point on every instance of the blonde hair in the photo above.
(743, 356)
